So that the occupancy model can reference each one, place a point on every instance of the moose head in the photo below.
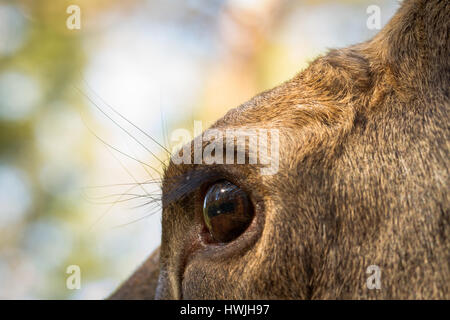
(362, 150)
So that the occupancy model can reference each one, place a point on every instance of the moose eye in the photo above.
(227, 211)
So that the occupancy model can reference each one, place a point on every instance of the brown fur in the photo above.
(363, 180)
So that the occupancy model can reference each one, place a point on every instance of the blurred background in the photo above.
(78, 179)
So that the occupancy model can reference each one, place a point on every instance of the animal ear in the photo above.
(142, 284)
(414, 46)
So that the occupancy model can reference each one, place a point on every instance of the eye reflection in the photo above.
(227, 211)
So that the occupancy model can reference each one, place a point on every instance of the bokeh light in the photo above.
(19, 95)
(12, 29)
(15, 195)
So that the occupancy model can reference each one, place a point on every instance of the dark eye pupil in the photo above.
(227, 211)
(220, 208)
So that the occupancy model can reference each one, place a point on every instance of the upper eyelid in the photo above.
(186, 183)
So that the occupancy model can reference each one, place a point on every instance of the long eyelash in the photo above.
(122, 128)
(147, 195)
(124, 118)
(118, 150)
(135, 220)
(107, 211)
(176, 187)
(132, 197)
(150, 199)
(163, 123)
(123, 184)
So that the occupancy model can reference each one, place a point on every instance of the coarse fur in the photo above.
(363, 180)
